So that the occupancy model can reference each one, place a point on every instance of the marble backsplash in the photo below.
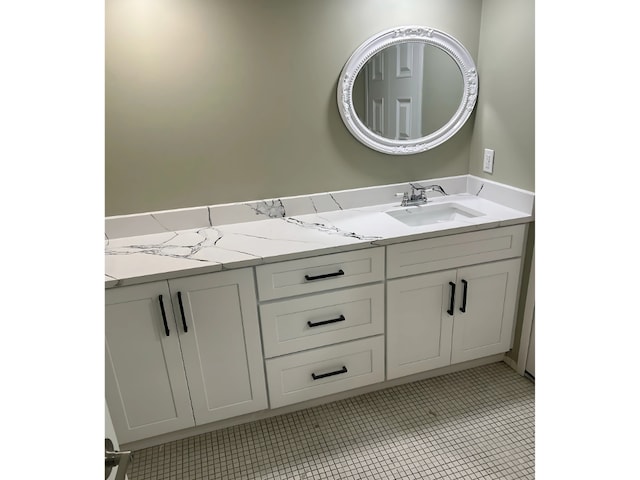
(254, 210)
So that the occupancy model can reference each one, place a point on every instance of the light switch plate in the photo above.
(487, 165)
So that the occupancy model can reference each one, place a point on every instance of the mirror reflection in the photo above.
(408, 91)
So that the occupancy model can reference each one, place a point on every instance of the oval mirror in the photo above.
(407, 90)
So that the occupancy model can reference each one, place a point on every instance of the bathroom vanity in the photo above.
(216, 312)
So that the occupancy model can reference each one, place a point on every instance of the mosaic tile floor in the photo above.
(474, 424)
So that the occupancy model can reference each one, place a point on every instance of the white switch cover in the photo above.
(487, 165)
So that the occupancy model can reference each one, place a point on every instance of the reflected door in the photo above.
(393, 91)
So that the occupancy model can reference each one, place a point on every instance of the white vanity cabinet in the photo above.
(182, 352)
(462, 304)
(323, 333)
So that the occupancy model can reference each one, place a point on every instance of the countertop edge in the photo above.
(111, 282)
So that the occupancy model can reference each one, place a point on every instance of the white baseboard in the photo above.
(511, 363)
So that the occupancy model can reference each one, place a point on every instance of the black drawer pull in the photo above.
(325, 322)
(309, 278)
(164, 316)
(184, 320)
(330, 374)
(463, 308)
(452, 299)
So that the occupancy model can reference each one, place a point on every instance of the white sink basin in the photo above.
(437, 213)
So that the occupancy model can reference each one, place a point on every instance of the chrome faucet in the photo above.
(418, 194)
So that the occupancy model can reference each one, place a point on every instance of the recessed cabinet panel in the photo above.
(145, 384)
(454, 251)
(418, 326)
(485, 327)
(316, 274)
(221, 344)
(313, 321)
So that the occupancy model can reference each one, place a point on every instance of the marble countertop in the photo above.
(155, 246)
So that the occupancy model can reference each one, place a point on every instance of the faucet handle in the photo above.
(435, 188)
(405, 198)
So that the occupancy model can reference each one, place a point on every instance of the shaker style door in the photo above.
(419, 324)
(145, 383)
(485, 310)
(220, 338)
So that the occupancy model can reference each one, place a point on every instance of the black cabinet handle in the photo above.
(184, 320)
(164, 316)
(327, 275)
(452, 299)
(330, 374)
(463, 308)
(325, 322)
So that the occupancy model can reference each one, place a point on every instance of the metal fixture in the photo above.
(114, 458)
(330, 374)
(463, 308)
(164, 316)
(310, 278)
(452, 298)
(418, 194)
(341, 318)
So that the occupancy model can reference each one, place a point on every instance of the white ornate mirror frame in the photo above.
(393, 36)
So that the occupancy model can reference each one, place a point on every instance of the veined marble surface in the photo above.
(161, 245)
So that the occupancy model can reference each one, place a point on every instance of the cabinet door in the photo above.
(145, 384)
(221, 345)
(418, 325)
(485, 326)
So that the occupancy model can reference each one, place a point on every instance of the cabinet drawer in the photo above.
(453, 251)
(322, 319)
(326, 272)
(324, 371)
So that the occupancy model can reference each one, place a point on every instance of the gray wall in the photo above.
(505, 113)
(215, 101)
